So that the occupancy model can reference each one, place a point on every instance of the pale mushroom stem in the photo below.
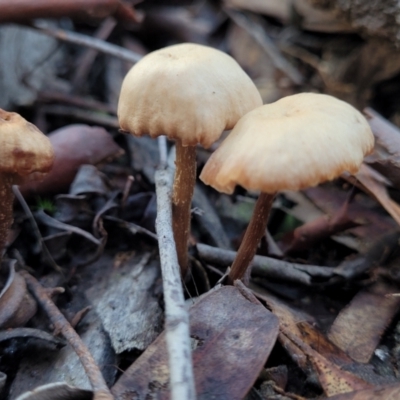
(6, 208)
(254, 232)
(184, 182)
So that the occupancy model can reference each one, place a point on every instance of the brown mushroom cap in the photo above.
(296, 142)
(188, 92)
(23, 148)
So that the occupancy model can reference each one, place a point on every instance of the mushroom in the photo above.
(294, 143)
(24, 150)
(190, 93)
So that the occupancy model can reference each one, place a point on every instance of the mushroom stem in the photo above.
(184, 182)
(6, 208)
(254, 232)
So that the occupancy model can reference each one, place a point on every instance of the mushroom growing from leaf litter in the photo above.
(297, 142)
(24, 151)
(190, 93)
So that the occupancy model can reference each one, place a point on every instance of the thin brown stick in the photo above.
(184, 182)
(62, 325)
(254, 232)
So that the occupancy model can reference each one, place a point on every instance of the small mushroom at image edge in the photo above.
(190, 93)
(297, 142)
(24, 150)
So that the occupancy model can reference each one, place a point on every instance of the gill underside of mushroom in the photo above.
(6, 208)
(254, 232)
(184, 182)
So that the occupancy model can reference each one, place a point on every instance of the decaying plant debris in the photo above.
(86, 310)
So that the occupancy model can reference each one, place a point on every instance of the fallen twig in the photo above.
(267, 267)
(176, 315)
(53, 97)
(82, 115)
(62, 325)
(133, 228)
(87, 41)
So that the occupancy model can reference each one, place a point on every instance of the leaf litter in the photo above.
(326, 323)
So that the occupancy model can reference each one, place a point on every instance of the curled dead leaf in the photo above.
(57, 391)
(16, 305)
(27, 334)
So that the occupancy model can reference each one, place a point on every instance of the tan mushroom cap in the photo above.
(23, 148)
(296, 142)
(188, 92)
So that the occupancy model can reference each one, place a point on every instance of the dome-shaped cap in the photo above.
(296, 142)
(188, 92)
(23, 148)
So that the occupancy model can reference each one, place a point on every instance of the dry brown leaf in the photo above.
(373, 224)
(308, 234)
(386, 155)
(375, 184)
(333, 379)
(311, 18)
(358, 328)
(350, 70)
(74, 145)
(288, 319)
(255, 27)
(233, 338)
(372, 18)
(323, 346)
(249, 54)
(391, 392)
(353, 77)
